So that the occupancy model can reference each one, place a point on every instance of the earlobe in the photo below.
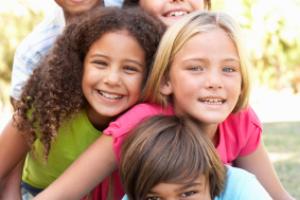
(166, 88)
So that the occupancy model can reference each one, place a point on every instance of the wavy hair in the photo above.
(53, 92)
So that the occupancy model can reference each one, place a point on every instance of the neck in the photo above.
(211, 131)
(99, 122)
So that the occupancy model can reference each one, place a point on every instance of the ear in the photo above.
(166, 87)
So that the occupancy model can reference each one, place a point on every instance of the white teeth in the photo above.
(176, 13)
(110, 96)
(212, 101)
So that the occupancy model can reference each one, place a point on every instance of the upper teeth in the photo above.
(212, 101)
(110, 96)
(176, 13)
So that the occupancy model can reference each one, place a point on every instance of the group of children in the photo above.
(86, 120)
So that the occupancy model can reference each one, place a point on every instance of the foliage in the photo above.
(273, 38)
(15, 28)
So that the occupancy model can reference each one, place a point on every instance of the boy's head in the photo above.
(73, 8)
(169, 11)
(169, 151)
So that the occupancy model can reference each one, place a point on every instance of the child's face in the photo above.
(170, 11)
(113, 73)
(73, 7)
(196, 190)
(205, 77)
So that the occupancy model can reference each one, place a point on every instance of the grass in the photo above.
(283, 143)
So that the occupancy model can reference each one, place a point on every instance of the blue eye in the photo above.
(229, 69)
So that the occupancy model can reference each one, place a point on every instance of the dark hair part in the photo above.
(136, 3)
(171, 150)
(53, 93)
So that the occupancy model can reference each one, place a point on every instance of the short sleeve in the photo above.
(240, 183)
(239, 135)
(120, 128)
(252, 132)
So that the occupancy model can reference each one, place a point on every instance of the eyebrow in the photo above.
(231, 59)
(97, 55)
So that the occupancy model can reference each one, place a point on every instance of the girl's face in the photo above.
(113, 73)
(205, 78)
(169, 11)
(196, 190)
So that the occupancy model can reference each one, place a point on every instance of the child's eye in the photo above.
(99, 63)
(196, 68)
(152, 198)
(229, 69)
(188, 194)
(131, 69)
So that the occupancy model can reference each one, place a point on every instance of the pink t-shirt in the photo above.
(239, 134)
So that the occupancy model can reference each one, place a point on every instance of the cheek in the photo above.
(135, 86)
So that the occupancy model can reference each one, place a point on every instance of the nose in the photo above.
(112, 77)
(213, 80)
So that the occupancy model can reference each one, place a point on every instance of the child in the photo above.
(37, 44)
(201, 70)
(170, 11)
(32, 49)
(169, 158)
(95, 72)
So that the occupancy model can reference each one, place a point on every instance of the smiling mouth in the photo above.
(177, 13)
(212, 100)
(111, 96)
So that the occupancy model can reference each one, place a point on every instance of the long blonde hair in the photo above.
(174, 39)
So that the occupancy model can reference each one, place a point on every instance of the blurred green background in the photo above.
(272, 34)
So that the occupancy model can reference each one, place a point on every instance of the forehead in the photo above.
(168, 188)
(211, 43)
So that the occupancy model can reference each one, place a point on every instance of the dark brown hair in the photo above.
(53, 92)
(136, 3)
(171, 150)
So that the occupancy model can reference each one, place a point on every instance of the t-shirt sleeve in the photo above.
(241, 184)
(120, 128)
(251, 132)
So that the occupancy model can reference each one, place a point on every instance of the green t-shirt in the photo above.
(73, 137)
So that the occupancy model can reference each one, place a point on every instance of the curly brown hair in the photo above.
(53, 92)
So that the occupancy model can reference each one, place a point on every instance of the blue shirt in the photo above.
(32, 49)
(240, 185)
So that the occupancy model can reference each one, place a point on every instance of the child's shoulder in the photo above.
(244, 118)
(145, 110)
(134, 116)
(240, 183)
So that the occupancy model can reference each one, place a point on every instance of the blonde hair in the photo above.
(174, 39)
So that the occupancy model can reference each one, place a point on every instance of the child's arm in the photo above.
(96, 163)
(11, 189)
(13, 149)
(260, 165)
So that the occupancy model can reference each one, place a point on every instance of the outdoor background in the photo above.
(272, 34)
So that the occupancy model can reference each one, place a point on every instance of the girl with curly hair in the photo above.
(95, 72)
